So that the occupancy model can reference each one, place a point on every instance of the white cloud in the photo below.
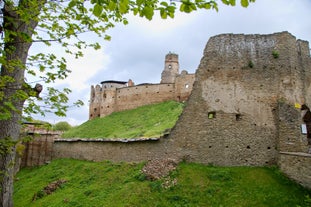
(82, 69)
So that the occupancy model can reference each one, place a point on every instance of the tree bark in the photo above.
(14, 50)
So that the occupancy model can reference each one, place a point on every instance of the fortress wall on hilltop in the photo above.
(104, 101)
(135, 96)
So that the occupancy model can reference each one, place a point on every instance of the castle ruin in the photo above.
(241, 111)
(112, 96)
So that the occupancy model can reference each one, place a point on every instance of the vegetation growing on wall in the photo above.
(146, 121)
(275, 54)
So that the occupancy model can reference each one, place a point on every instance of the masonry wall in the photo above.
(184, 85)
(135, 96)
(116, 151)
(241, 83)
(39, 150)
(296, 166)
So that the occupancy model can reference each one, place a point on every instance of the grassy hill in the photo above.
(146, 121)
(122, 184)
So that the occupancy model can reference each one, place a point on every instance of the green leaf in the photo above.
(112, 5)
(72, 4)
(148, 12)
(124, 6)
(226, 2)
(107, 37)
(207, 6)
(163, 3)
(139, 2)
(163, 13)
(98, 9)
(244, 3)
(232, 2)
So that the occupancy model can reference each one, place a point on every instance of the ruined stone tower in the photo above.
(171, 68)
(242, 107)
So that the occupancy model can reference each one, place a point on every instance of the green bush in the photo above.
(62, 126)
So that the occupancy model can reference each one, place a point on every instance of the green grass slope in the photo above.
(122, 184)
(146, 121)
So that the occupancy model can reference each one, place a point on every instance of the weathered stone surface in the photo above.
(296, 166)
(158, 168)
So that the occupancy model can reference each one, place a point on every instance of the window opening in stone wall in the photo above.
(95, 109)
(212, 115)
(238, 117)
(104, 95)
(169, 66)
(187, 86)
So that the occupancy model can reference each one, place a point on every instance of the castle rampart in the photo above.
(114, 96)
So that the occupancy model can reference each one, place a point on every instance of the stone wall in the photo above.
(135, 96)
(117, 151)
(296, 166)
(234, 114)
(39, 150)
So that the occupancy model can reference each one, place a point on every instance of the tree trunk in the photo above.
(10, 128)
(7, 168)
(14, 50)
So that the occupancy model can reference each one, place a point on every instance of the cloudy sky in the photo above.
(137, 50)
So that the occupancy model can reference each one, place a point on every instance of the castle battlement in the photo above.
(113, 95)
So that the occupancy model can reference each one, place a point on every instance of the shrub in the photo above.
(62, 126)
